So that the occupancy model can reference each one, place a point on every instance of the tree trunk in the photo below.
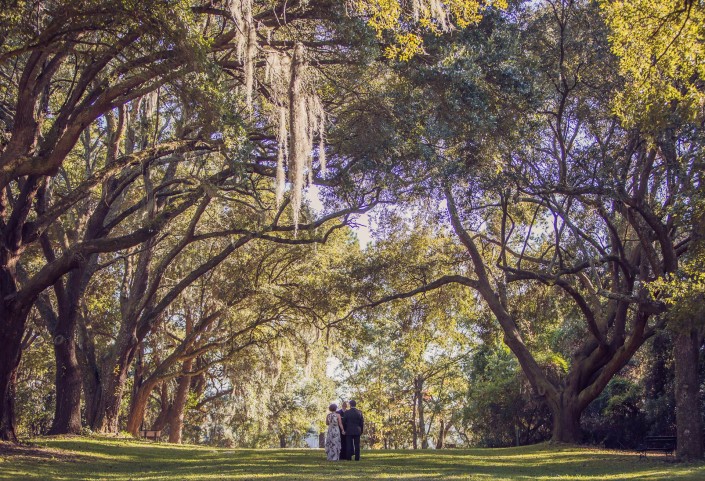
(67, 415)
(566, 420)
(282, 441)
(113, 380)
(91, 391)
(441, 435)
(12, 325)
(10, 355)
(8, 376)
(688, 417)
(415, 434)
(689, 428)
(63, 327)
(138, 407)
(108, 406)
(176, 413)
(163, 418)
(138, 378)
(90, 372)
(420, 411)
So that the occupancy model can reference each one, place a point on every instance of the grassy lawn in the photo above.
(123, 460)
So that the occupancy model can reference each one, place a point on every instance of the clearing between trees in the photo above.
(121, 460)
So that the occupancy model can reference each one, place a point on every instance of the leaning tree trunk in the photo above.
(176, 413)
(138, 401)
(688, 416)
(139, 406)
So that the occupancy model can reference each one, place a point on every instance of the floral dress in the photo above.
(332, 438)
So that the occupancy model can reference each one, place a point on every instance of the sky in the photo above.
(362, 230)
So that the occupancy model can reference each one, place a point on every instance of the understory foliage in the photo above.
(662, 60)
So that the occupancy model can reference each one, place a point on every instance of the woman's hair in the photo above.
(345, 404)
(333, 407)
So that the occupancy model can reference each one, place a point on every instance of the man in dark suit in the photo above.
(354, 425)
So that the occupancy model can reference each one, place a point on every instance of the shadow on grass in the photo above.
(123, 460)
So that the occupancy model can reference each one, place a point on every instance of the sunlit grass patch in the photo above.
(113, 459)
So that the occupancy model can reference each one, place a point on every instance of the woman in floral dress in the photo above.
(335, 429)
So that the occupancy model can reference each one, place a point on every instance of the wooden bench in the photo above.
(665, 444)
(152, 434)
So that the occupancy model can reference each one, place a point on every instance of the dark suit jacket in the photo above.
(342, 416)
(353, 422)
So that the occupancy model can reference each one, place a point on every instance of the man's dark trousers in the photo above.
(344, 449)
(353, 441)
(354, 424)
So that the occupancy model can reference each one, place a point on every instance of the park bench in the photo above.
(665, 444)
(152, 434)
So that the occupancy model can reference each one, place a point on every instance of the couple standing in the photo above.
(344, 429)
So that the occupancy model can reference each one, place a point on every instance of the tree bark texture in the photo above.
(566, 421)
(69, 378)
(12, 325)
(113, 381)
(176, 413)
(689, 339)
(688, 414)
(90, 371)
(67, 415)
(8, 376)
(414, 428)
(418, 384)
(441, 435)
(139, 406)
(162, 419)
